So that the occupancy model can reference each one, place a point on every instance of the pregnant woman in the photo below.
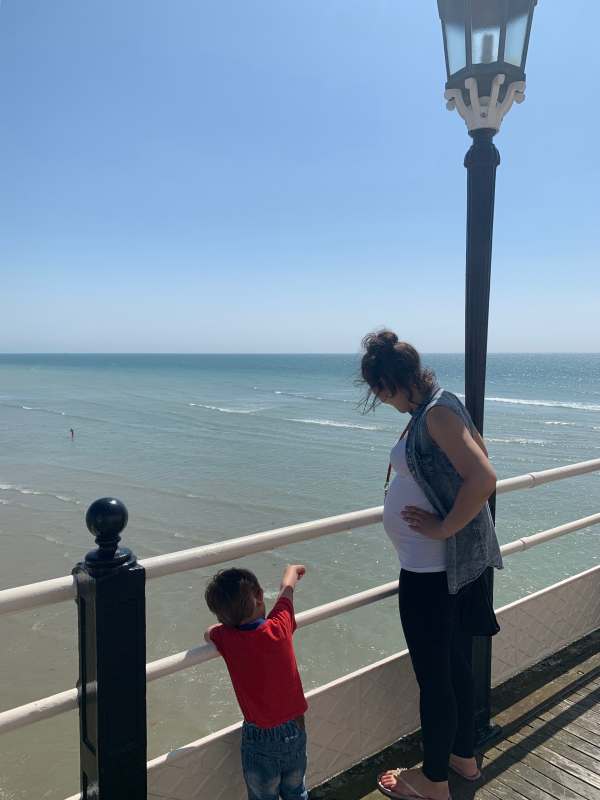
(437, 517)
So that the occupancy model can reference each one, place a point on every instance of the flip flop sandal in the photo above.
(414, 794)
(464, 775)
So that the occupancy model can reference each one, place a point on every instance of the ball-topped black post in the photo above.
(112, 661)
(106, 519)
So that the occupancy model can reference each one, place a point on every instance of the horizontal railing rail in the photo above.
(66, 701)
(57, 590)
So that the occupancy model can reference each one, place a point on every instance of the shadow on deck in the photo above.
(550, 743)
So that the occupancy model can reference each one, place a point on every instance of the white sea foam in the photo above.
(554, 422)
(545, 403)
(225, 410)
(38, 408)
(332, 424)
(300, 395)
(516, 440)
(519, 401)
(318, 397)
(10, 487)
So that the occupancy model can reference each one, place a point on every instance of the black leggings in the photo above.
(441, 658)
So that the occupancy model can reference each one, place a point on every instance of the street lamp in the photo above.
(485, 45)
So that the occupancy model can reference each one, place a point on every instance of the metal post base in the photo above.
(487, 735)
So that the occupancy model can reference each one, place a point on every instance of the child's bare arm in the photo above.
(291, 575)
(207, 633)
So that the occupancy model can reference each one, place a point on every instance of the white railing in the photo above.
(59, 589)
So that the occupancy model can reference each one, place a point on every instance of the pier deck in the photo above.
(550, 743)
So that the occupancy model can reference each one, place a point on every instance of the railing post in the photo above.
(112, 661)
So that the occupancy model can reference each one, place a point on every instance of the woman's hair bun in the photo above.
(388, 339)
(387, 363)
(380, 341)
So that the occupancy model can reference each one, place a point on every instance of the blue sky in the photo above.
(282, 176)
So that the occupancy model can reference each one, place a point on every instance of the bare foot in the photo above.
(465, 766)
(407, 782)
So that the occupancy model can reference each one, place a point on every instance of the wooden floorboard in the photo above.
(533, 774)
(549, 748)
(571, 747)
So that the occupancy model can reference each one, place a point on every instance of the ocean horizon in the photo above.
(424, 353)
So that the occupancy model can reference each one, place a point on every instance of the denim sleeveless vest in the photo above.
(474, 548)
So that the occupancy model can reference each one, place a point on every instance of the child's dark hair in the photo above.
(388, 365)
(230, 595)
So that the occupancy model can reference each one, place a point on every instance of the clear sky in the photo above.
(282, 176)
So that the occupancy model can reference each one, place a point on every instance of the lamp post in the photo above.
(485, 45)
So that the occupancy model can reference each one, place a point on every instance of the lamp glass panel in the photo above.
(486, 21)
(516, 31)
(485, 45)
(457, 50)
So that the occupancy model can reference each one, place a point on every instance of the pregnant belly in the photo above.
(405, 491)
(415, 551)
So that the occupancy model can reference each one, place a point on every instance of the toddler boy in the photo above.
(259, 654)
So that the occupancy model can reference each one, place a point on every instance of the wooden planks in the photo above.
(550, 748)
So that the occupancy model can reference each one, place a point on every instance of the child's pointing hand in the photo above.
(292, 574)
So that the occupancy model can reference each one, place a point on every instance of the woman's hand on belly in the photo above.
(423, 522)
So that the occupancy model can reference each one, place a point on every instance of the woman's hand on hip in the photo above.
(423, 522)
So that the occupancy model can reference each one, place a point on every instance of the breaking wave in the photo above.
(516, 440)
(332, 424)
(10, 487)
(224, 410)
(519, 401)
(545, 403)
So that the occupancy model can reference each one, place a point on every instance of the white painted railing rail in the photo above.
(58, 590)
(533, 479)
(66, 701)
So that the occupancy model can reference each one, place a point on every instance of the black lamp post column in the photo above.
(481, 162)
(112, 662)
(485, 49)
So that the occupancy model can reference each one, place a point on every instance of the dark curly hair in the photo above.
(230, 595)
(389, 364)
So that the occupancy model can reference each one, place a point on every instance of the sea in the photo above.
(203, 448)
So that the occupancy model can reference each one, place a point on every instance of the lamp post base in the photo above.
(486, 735)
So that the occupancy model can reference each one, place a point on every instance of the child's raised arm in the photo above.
(291, 575)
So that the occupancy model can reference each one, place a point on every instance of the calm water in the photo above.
(204, 448)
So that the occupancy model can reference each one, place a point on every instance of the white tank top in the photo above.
(417, 553)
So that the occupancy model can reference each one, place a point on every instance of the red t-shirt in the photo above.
(262, 666)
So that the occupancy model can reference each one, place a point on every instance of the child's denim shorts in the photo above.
(274, 761)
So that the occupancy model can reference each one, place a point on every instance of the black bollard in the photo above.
(112, 661)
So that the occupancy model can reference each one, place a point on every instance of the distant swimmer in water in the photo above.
(72, 433)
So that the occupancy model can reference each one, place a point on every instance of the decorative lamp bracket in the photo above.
(485, 112)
